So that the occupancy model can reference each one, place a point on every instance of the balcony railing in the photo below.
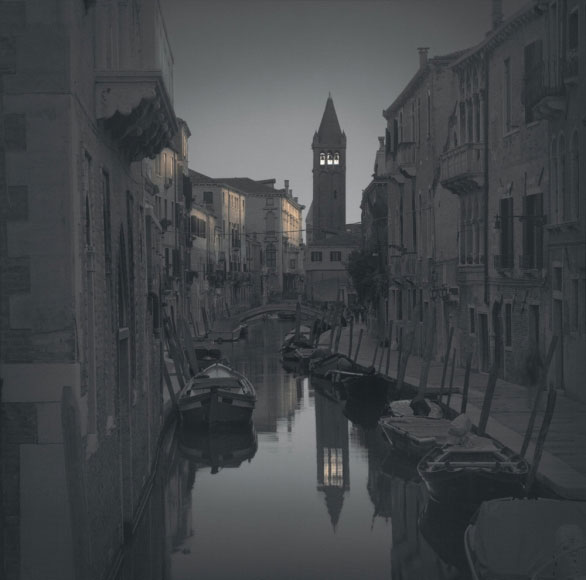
(462, 168)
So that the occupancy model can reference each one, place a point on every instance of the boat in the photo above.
(527, 539)
(416, 408)
(335, 365)
(217, 395)
(219, 449)
(415, 435)
(474, 470)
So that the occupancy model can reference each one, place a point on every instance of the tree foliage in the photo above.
(369, 276)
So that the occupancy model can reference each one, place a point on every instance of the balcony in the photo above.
(134, 78)
(571, 67)
(545, 96)
(462, 168)
(406, 158)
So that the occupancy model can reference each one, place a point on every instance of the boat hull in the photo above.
(216, 406)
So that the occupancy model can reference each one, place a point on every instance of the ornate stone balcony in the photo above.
(134, 78)
(462, 168)
(406, 158)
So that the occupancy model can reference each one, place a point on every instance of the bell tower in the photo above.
(328, 207)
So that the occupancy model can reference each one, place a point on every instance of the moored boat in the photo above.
(527, 539)
(415, 435)
(475, 470)
(333, 364)
(218, 395)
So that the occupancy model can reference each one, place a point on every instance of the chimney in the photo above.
(497, 13)
(423, 56)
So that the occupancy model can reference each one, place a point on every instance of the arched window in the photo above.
(553, 183)
(562, 177)
(322, 158)
(575, 179)
(336, 158)
(330, 159)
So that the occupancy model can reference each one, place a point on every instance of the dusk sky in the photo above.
(252, 77)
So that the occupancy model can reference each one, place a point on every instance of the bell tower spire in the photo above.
(329, 175)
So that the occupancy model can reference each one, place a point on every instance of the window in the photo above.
(271, 201)
(208, 197)
(533, 72)
(292, 264)
(532, 232)
(574, 305)
(330, 159)
(336, 158)
(557, 279)
(271, 256)
(316, 256)
(399, 305)
(428, 113)
(562, 177)
(575, 177)
(508, 324)
(107, 221)
(553, 183)
(335, 256)
(573, 32)
(506, 241)
(322, 158)
(507, 97)
(472, 320)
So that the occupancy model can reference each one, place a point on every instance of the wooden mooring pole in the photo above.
(358, 345)
(446, 359)
(541, 383)
(466, 388)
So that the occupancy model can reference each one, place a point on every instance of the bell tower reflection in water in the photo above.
(333, 465)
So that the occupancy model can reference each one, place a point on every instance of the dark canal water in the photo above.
(305, 495)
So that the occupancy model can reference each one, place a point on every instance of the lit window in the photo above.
(322, 158)
(336, 159)
(330, 159)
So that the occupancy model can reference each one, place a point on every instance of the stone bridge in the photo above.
(306, 310)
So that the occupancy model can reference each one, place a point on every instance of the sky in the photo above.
(251, 77)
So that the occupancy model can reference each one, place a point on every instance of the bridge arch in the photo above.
(306, 310)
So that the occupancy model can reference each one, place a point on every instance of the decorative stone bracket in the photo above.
(135, 109)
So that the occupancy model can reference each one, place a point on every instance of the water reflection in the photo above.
(286, 508)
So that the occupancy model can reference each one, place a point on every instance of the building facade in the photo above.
(422, 227)
(82, 105)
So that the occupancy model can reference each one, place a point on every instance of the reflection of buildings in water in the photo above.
(378, 484)
(411, 555)
(333, 464)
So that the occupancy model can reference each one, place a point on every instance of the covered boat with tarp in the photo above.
(527, 539)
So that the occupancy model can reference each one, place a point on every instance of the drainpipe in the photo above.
(486, 183)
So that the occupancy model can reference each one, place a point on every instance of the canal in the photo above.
(306, 494)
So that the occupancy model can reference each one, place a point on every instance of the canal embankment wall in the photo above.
(563, 464)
